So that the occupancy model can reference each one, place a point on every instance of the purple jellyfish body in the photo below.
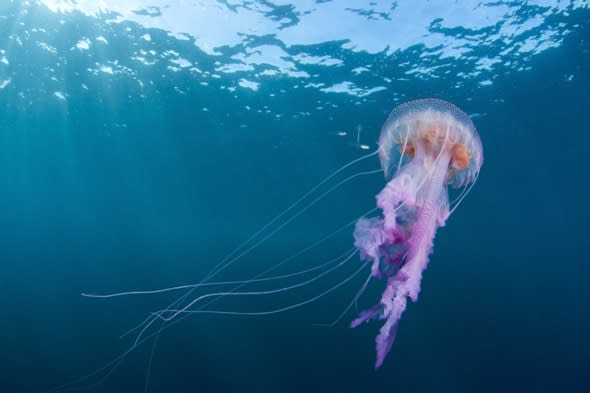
(425, 146)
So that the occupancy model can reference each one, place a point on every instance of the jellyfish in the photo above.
(425, 146)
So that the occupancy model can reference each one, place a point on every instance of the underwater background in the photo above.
(142, 141)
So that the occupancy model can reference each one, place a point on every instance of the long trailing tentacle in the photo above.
(259, 242)
(269, 270)
(282, 309)
(111, 366)
(208, 284)
(254, 293)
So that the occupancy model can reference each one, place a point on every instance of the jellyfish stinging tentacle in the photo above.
(425, 146)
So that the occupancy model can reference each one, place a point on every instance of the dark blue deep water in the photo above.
(141, 141)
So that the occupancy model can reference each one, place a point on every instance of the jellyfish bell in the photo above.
(424, 146)
(424, 128)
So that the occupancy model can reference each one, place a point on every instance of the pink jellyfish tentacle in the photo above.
(414, 205)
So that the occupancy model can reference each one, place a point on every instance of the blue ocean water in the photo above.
(144, 140)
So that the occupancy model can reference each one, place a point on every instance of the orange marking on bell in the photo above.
(460, 157)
